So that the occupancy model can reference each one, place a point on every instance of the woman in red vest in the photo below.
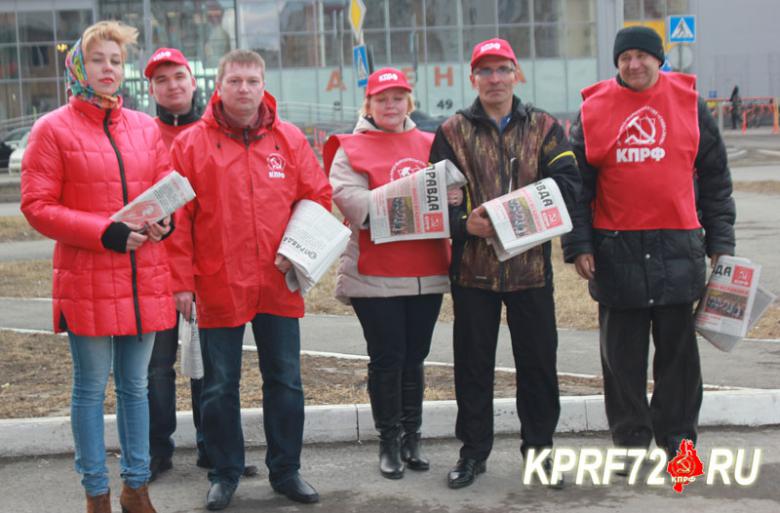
(111, 289)
(395, 288)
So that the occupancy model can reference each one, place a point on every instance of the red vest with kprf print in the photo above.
(644, 145)
(384, 157)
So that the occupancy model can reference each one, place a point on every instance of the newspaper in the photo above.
(733, 302)
(527, 217)
(414, 207)
(158, 201)
(312, 241)
(189, 338)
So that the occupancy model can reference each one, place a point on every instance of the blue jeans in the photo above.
(92, 361)
(278, 346)
(162, 396)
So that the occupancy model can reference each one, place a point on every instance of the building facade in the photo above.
(562, 46)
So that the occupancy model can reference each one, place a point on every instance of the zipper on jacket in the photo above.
(419, 286)
(504, 186)
(133, 265)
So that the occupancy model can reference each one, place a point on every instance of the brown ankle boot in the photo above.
(136, 500)
(99, 503)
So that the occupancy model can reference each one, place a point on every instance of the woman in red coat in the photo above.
(111, 286)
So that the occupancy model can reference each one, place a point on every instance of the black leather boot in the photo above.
(384, 389)
(412, 391)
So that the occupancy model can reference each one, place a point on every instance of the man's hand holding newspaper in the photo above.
(525, 218)
(733, 302)
(312, 241)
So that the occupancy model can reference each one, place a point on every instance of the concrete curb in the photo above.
(353, 422)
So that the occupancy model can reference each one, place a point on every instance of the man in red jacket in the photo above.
(172, 86)
(248, 169)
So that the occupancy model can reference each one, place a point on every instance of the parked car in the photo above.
(9, 143)
(15, 160)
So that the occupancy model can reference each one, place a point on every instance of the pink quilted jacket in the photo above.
(81, 165)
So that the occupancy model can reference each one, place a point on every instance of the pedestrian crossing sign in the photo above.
(682, 29)
(360, 61)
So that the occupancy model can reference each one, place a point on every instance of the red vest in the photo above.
(644, 146)
(384, 157)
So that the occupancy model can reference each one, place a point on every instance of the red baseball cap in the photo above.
(495, 46)
(386, 78)
(165, 56)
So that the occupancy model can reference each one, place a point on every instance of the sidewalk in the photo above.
(347, 478)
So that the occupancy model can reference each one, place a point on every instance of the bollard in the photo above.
(775, 116)
(744, 122)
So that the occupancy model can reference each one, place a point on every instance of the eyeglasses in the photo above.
(501, 71)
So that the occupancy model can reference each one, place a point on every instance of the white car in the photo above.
(15, 160)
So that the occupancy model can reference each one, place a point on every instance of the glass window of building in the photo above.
(654, 9)
(40, 96)
(38, 61)
(579, 10)
(405, 47)
(479, 12)
(406, 13)
(298, 16)
(10, 100)
(442, 45)
(441, 13)
(9, 63)
(7, 27)
(474, 35)
(375, 14)
(547, 10)
(376, 43)
(36, 26)
(547, 41)
(513, 11)
(632, 9)
(519, 36)
(71, 23)
(580, 40)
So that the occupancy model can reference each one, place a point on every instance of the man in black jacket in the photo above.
(656, 197)
(501, 145)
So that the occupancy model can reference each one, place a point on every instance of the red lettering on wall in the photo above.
(335, 81)
(438, 76)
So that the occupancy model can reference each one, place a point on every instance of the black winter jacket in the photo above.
(644, 268)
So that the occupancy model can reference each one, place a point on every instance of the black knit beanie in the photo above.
(638, 38)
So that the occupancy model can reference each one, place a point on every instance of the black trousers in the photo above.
(531, 318)
(673, 411)
(398, 330)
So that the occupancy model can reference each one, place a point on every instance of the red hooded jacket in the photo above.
(246, 183)
(81, 165)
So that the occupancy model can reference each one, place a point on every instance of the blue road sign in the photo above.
(360, 62)
(666, 65)
(682, 29)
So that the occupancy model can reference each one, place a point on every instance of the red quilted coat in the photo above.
(81, 165)
(246, 183)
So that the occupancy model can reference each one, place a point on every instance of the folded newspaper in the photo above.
(158, 201)
(312, 241)
(733, 302)
(527, 217)
(189, 338)
(414, 207)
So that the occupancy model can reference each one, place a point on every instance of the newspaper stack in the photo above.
(312, 241)
(158, 201)
(527, 217)
(414, 207)
(733, 302)
(189, 338)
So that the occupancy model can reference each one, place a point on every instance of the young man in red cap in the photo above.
(172, 86)
(248, 169)
(639, 241)
(501, 144)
